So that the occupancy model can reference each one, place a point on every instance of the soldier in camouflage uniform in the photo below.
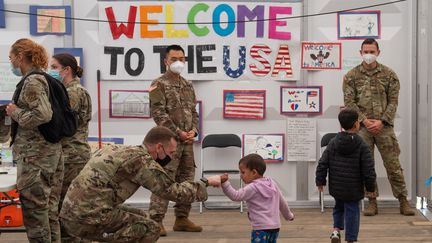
(373, 89)
(40, 163)
(93, 207)
(76, 150)
(172, 100)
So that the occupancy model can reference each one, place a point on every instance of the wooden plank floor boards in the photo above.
(230, 226)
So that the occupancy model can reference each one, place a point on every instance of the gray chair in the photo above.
(220, 141)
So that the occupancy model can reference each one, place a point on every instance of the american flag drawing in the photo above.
(312, 93)
(246, 104)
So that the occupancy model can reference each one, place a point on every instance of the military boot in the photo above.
(162, 230)
(184, 224)
(405, 208)
(372, 208)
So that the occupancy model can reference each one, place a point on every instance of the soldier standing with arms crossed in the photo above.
(173, 101)
(373, 90)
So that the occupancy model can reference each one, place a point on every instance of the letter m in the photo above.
(117, 31)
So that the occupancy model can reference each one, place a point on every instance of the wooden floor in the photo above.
(229, 226)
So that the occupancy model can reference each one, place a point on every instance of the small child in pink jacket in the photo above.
(263, 199)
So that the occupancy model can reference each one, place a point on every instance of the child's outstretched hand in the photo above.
(224, 177)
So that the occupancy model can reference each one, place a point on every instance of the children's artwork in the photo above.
(2, 15)
(198, 108)
(269, 146)
(244, 104)
(359, 24)
(50, 20)
(8, 80)
(76, 52)
(321, 56)
(129, 104)
(298, 100)
(94, 142)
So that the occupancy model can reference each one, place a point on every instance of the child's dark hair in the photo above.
(254, 162)
(347, 118)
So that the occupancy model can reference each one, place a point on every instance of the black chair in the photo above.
(325, 140)
(220, 141)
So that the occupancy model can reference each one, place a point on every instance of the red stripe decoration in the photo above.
(255, 54)
(283, 57)
(247, 104)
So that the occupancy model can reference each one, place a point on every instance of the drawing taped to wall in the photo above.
(244, 104)
(269, 146)
(129, 104)
(321, 55)
(359, 24)
(301, 100)
(50, 20)
(2, 15)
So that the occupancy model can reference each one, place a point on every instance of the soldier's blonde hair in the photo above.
(159, 134)
(32, 52)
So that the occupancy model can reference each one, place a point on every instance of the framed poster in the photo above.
(269, 146)
(301, 100)
(198, 108)
(94, 142)
(321, 55)
(244, 104)
(76, 52)
(2, 15)
(129, 104)
(50, 20)
(359, 24)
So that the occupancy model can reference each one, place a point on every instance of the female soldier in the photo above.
(76, 150)
(40, 163)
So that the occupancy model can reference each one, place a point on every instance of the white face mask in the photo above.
(369, 58)
(177, 67)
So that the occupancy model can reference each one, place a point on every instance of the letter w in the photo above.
(117, 31)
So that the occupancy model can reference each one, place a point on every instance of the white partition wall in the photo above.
(295, 178)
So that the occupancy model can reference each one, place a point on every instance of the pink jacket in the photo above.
(264, 201)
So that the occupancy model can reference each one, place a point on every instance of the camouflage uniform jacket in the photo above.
(374, 93)
(75, 148)
(33, 109)
(173, 103)
(112, 175)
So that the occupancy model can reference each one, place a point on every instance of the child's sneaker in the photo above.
(335, 237)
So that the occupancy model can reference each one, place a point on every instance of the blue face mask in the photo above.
(16, 71)
(55, 74)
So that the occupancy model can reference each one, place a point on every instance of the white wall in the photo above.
(395, 52)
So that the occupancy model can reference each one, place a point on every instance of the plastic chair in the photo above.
(220, 141)
(325, 140)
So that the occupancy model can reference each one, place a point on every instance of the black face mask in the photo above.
(164, 161)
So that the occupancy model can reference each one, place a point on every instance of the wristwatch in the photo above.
(206, 182)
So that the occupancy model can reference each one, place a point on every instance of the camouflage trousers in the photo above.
(124, 224)
(388, 147)
(39, 183)
(71, 170)
(181, 168)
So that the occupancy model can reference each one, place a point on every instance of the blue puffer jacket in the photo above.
(350, 166)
